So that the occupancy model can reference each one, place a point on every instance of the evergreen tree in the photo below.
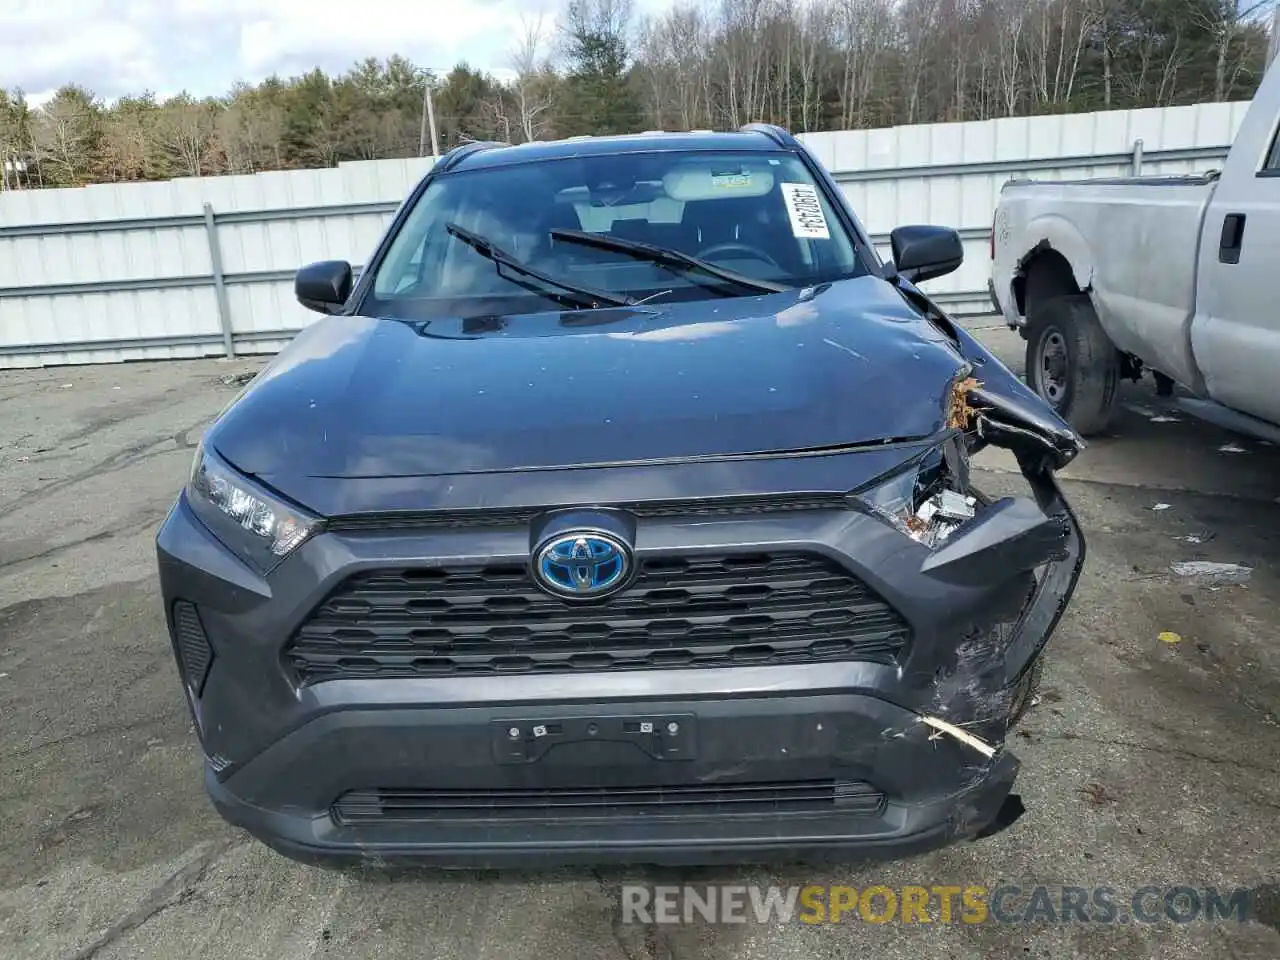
(599, 97)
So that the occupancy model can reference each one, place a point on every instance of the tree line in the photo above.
(597, 68)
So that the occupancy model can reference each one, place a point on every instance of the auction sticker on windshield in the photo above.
(805, 211)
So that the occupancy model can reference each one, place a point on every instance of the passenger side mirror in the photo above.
(921, 252)
(325, 286)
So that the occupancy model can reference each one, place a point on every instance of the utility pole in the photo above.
(428, 121)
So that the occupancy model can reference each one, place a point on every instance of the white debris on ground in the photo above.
(1213, 574)
(1161, 506)
(1232, 448)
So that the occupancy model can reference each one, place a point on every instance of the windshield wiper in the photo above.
(582, 296)
(666, 257)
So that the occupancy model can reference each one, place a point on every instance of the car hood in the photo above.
(840, 365)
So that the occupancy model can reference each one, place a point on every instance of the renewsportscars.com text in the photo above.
(970, 903)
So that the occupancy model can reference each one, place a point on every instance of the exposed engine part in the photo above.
(941, 515)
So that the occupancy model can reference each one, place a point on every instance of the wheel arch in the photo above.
(1058, 262)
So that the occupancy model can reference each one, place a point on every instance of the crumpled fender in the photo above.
(1056, 232)
(976, 700)
(1010, 414)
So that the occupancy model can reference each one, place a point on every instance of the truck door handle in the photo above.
(1232, 238)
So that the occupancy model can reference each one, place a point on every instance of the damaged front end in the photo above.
(982, 684)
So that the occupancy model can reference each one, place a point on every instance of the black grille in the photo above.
(696, 611)
(730, 799)
(193, 645)
(514, 516)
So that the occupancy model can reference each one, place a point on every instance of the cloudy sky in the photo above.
(203, 46)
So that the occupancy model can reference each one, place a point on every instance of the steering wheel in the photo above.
(719, 250)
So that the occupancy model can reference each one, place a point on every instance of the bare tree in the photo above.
(867, 29)
(921, 35)
(815, 45)
(250, 129)
(183, 131)
(655, 73)
(1010, 17)
(535, 81)
(128, 141)
(1223, 19)
(67, 135)
(742, 58)
(323, 142)
(673, 52)
(1058, 31)
(1076, 22)
(495, 109)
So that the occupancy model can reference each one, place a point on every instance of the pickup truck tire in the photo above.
(1071, 362)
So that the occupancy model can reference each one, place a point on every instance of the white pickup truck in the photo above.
(1178, 276)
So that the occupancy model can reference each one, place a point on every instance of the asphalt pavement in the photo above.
(1149, 760)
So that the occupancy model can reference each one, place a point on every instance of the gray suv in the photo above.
(620, 512)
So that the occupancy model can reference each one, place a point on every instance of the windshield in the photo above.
(757, 215)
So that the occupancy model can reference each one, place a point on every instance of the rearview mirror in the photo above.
(922, 252)
(325, 286)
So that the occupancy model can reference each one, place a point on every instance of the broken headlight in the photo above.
(928, 499)
(257, 526)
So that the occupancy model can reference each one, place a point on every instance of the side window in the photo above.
(411, 250)
(1272, 164)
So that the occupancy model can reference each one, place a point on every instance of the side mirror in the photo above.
(921, 253)
(325, 286)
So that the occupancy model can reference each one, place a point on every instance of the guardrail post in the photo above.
(1137, 158)
(219, 281)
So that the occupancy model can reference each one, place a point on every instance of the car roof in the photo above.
(479, 156)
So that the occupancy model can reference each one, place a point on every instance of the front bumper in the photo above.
(936, 792)
(283, 755)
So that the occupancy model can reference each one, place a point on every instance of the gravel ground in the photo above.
(1145, 762)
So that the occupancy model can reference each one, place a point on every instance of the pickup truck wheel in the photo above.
(1072, 363)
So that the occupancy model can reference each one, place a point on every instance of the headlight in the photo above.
(256, 525)
(924, 499)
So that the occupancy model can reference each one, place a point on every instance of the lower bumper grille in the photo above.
(385, 806)
(694, 611)
(193, 646)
